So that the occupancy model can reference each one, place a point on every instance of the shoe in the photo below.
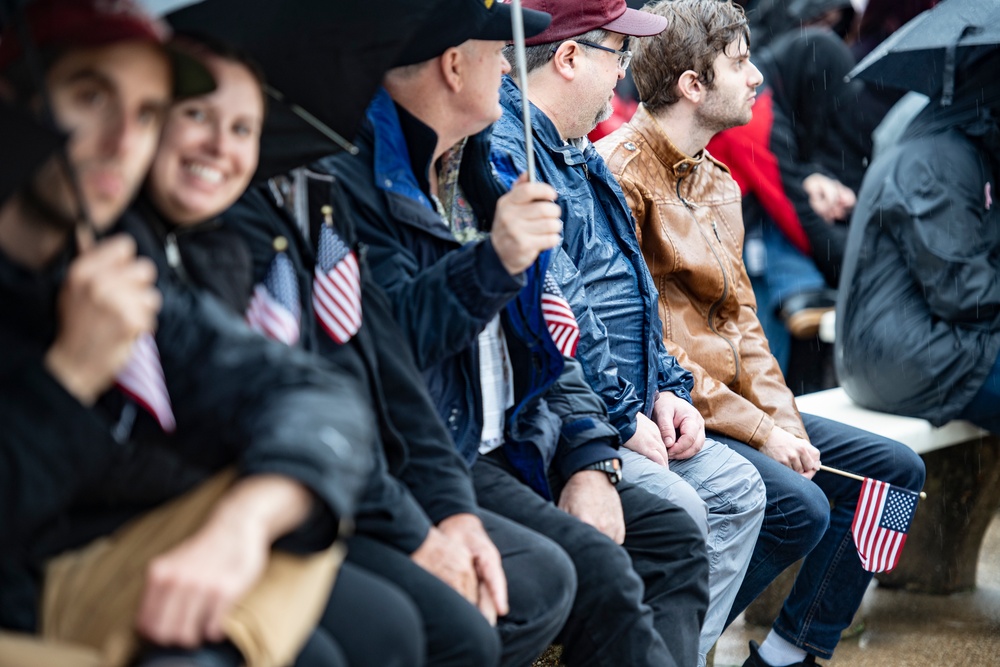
(756, 661)
(802, 312)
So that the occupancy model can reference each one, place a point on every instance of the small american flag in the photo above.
(559, 318)
(142, 380)
(337, 287)
(274, 309)
(881, 521)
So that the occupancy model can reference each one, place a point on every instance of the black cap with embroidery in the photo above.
(452, 22)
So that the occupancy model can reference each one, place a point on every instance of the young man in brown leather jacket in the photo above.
(696, 79)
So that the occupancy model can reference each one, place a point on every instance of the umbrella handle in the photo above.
(517, 25)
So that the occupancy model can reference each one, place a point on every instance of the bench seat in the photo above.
(917, 434)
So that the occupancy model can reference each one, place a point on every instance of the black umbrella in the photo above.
(323, 60)
(924, 53)
(26, 143)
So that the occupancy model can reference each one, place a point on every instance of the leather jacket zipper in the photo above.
(725, 278)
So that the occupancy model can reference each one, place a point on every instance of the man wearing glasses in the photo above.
(571, 71)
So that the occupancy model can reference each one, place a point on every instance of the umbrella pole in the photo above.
(517, 24)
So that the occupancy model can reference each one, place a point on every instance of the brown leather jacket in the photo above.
(690, 225)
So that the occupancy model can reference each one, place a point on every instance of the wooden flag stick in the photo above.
(844, 473)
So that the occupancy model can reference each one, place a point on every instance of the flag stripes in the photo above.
(337, 287)
(559, 318)
(881, 521)
(274, 308)
(142, 380)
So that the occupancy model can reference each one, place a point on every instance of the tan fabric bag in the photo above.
(92, 595)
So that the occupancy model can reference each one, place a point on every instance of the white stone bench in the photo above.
(917, 434)
(963, 491)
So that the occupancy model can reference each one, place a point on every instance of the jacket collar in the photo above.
(543, 129)
(679, 163)
(394, 170)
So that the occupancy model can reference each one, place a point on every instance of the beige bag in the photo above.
(92, 595)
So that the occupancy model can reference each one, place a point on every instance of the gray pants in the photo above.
(724, 494)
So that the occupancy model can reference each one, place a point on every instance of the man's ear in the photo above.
(690, 87)
(566, 59)
(452, 64)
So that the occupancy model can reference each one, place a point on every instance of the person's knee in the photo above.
(908, 468)
(548, 581)
(374, 621)
(806, 517)
(401, 642)
(690, 543)
(741, 491)
(596, 563)
(473, 642)
(687, 498)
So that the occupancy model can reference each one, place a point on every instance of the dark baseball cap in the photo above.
(572, 18)
(453, 22)
(69, 24)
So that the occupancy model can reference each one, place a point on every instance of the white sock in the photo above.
(778, 652)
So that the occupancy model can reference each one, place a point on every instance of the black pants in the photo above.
(372, 621)
(540, 584)
(638, 605)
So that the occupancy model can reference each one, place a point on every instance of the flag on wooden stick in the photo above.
(881, 522)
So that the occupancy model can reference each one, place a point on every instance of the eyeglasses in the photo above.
(624, 56)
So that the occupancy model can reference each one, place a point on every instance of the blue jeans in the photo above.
(778, 270)
(984, 408)
(800, 522)
(726, 498)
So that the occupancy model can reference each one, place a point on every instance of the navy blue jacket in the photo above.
(601, 272)
(444, 293)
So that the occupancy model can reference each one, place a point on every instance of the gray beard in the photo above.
(605, 113)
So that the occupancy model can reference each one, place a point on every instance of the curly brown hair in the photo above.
(697, 31)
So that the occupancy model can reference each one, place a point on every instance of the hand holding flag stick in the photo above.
(520, 61)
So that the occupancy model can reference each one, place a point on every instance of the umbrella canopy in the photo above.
(22, 136)
(924, 53)
(323, 61)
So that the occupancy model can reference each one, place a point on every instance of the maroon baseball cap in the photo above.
(572, 18)
(67, 24)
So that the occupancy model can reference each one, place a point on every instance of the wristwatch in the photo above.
(613, 467)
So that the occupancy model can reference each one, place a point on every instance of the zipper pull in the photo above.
(586, 171)
(715, 228)
(172, 251)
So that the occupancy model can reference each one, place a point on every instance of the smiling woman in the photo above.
(210, 145)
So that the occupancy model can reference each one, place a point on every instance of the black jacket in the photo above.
(420, 480)
(444, 293)
(918, 315)
(68, 472)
